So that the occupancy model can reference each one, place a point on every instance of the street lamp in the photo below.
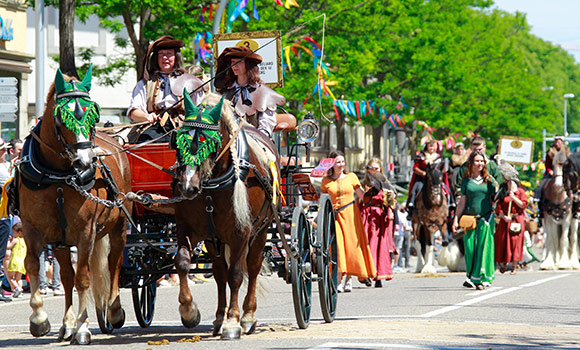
(566, 97)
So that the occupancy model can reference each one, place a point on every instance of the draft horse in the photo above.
(66, 190)
(561, 228)
(226, 171)
(431, 216)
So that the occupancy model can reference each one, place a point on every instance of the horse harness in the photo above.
(35, 175)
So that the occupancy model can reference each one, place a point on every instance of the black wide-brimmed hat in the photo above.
(225, 58)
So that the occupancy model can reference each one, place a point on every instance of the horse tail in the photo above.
(240, 198)
(99, 271)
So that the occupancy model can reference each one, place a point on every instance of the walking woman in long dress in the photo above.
(353, 251)
(378, 220)
(478, 189)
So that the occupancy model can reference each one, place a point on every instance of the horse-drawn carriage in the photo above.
(226, 189)
(302, 252)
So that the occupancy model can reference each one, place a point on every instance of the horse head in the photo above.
(434, 185)
(197, 142)
(70, 118)
(555, 193)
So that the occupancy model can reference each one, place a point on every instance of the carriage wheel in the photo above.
(144, 292)
(301, 268)
(326, 258)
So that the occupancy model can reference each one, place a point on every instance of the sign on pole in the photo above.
(516, 150)
(8, 99)
(8, 81)
(267, 44)
(7, 117)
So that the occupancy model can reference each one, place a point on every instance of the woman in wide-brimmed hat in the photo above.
(160, 87)
(238, 78)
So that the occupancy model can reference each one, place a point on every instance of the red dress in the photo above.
(378, 222)
(509, 247)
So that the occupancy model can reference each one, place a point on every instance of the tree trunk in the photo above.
(340, 138)
(140, 44)
(66, 21)
(377, 133)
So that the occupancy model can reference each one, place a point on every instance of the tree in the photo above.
(145, 21)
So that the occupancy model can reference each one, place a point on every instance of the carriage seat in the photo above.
(285, 122)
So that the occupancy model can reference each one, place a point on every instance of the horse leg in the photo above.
(190, 315)
(220, 275)
(427, 246)
(254, 263)
(562, 256)
(232, 329)
(420, 261)
(67, 275)
(574, 254)
(82, 335)
(117, 239)
(39, 324)
(550, 233)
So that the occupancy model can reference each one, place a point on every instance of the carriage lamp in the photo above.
(308, 129)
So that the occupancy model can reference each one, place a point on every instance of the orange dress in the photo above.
(353, 251)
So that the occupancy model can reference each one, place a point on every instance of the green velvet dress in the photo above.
(479, 243)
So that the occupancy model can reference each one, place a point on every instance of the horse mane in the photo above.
(240, 200)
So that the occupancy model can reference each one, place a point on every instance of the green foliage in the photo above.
(460, 65)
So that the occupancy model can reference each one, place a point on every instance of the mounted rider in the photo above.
(423, 160)
(161, 86)
(557, 146)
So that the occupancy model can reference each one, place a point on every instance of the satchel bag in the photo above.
(468, 222)
(514, 227)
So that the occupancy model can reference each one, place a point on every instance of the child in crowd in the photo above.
(16, 267)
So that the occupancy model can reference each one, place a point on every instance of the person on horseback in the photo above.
(425, 158)
(238, 78)
(556, 147)
(159, 89)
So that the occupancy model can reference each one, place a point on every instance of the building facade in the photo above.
(15, 69)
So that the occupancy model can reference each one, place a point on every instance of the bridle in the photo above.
(69, 149)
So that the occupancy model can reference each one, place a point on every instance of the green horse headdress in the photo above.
(199, 136)
(74, 106)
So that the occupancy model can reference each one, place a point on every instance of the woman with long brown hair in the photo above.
(353, 251)
(238, 79)
(478, 189)
(378, 214)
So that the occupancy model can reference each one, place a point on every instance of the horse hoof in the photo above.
(65, 333)
(216, 330)
(118, 324)
(194, 322)
(40, 330)
(231, 333)
(248, 326)
(81, 339)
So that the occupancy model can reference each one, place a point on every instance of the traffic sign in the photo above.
(8, 90)
(9, 99)
(8, 108)
(7, 117)
(8, 81)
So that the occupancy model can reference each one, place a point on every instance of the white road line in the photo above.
(489, 296)
(350, 346)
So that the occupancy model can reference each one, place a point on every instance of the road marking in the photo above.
(350, 346)
(489, 296)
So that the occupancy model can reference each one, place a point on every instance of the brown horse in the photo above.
(431, 215)
(61, 169)
(230, 209)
